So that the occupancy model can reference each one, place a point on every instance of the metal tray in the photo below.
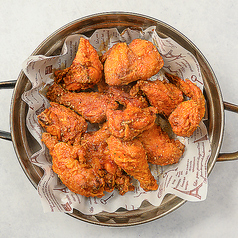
(25, 145)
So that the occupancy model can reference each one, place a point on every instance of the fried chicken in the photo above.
(62, 122)
(160, 94)
(98, 156)
(85, 70)
(69, 163)
(124, 98)
(91, 106)
(185, 119)
(127, 63)
(131, 157)
(160, 149)
(124, 109)
(130, 122)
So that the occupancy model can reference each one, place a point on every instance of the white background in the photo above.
(211, 25)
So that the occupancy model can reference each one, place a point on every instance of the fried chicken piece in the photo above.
(62, 122)
(185, 119)
(160, 149)
(160, 94)
(190, 90)
(69, 164)
(124, 98)
(97, 154)
(117, 67)
(148, 59)
(85, 70)
(95, 145)
(127, 63)
(130, 122)
(55, 92)
(114, 176)
(90, 105)
(49, 140)
(131, 157)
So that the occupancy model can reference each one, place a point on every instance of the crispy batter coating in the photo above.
(127, 124)
(148, 60)
(131, 157)
(127, 63)
(162, 95)
(124, 108)
(124, 98)
(98, 156)
(84, 72)
(90, 105)
(185, 119)
(69, 163)
(190, 90)
(62, 122)
(160, 149)
(54, 92)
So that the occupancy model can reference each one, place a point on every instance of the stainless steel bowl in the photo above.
(25, 145)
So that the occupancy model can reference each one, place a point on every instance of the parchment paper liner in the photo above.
(187, 179)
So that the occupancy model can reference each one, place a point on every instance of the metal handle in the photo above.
(229, 156)
(8, 84)
(5, 85)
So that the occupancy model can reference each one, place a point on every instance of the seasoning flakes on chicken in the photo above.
(91, 106)
(160, 149)
(125, 109)
(84, 72)
(63, 123)
(69, 164)
(131, 157)
(127, 63)
(130, 122)
(124, 97)
(185, 119)
(98, 156)
(162, 95)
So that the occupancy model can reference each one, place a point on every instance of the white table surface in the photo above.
(211, 25)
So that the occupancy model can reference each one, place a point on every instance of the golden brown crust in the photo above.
(131, 157)
(62, 122)
(162, 95)
(160, 149)
(130, 122)
(185, 119)
(124, 109)
(127, 63)
(84, 72)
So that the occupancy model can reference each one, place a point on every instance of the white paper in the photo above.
(187, 179)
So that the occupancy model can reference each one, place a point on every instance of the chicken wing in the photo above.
(162, 95)
(131, 157)
(160, 149)
(62, 122)
(185, 119)
(190, 90)
(84, 72)
(127, 63)
(69, 163)
(128, 123)
(90, 105)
